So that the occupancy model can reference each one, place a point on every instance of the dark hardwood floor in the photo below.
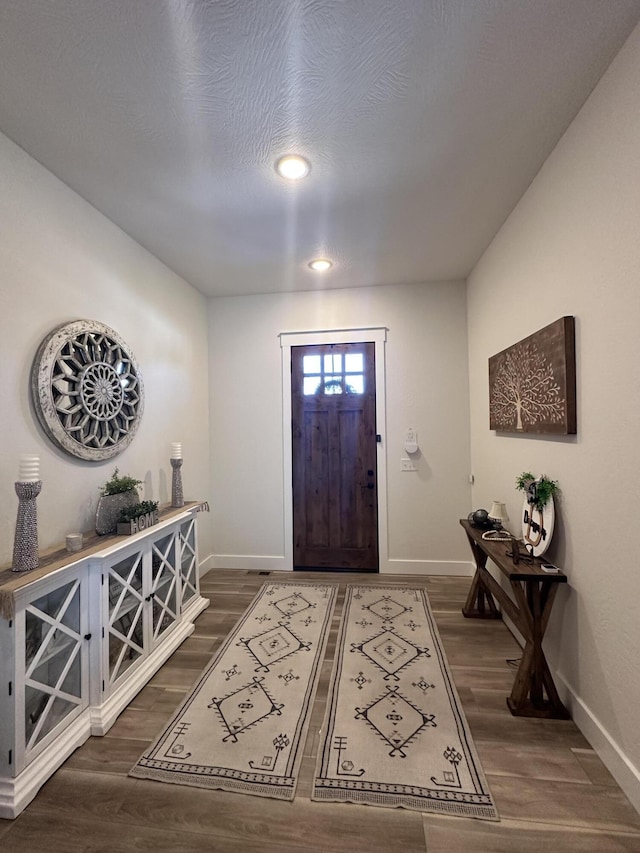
(552, 791)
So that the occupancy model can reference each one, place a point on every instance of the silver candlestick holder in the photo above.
(25, 543)
(177, 497)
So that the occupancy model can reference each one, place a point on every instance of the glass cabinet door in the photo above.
(164, 585)
(126, 607)
(53, 661)
(188, 561)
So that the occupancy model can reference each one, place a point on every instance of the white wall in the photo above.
(426, 388)
(572, 246)
(61, 260)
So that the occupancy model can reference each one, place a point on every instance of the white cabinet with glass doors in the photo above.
(46, 664)
(83, 640)
(145, 597)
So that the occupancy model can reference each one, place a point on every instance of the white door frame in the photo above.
(371, 334)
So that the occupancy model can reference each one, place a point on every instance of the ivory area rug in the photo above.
(244, 724)
(394, 732)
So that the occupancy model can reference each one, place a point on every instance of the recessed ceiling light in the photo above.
(293, 167)
(320, 264)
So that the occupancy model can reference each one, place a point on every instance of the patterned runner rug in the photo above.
(243, 726)
(394, 732)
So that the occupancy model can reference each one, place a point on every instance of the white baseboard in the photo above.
(251, 562)
(453, 568)
(620, 767)
(205, 564)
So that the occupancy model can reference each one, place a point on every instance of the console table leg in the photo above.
(552, 693)
(534, 676)
(538, 656)
(480, 603)
(534, 694)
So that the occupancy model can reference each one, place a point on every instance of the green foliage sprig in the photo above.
(523, 481)
(117, 485)
(544, 488)
(129, 513)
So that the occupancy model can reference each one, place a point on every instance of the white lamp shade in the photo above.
(498, 512)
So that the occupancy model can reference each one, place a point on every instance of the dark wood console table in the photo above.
(534, 694)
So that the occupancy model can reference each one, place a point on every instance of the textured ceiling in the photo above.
(424, 121)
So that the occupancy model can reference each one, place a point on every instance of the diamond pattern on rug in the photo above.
(244, 723)
(390, 652)
(273, 645)
(394, 732)
(395, 719)
(244, 708)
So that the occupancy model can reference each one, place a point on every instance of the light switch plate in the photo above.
(408, 464)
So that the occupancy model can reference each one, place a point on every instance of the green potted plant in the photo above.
(137, 517)
(116, 494)
(539, 490)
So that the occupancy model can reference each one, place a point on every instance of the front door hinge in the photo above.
(10, 688)
(10, 756)
(378, 437)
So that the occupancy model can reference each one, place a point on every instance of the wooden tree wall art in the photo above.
(532, 384)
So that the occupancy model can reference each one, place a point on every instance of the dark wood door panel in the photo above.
(315, 478)
(334, 460)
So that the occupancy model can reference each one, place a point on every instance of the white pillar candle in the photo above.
(29, 469)
(176, 450)
(74, 542)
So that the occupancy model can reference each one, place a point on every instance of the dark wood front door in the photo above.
(335, 497)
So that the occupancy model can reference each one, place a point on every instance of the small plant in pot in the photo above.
(116, 494)
(138, 517)
(538, 517)
(539, 490)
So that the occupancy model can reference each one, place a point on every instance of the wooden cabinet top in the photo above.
(58, 558)
(497, 553)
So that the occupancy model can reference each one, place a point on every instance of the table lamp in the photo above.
(498, 515)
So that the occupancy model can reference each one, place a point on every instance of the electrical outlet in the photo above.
(408, 464)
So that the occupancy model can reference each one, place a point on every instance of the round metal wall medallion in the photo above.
(87, 390)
